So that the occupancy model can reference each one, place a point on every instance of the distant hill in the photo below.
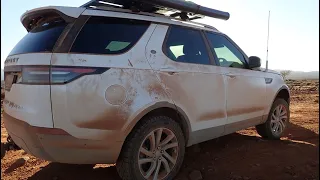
(304, 75)
(298, 75)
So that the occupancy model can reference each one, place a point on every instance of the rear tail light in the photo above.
(60, 75)
(35, 75)
(52, 75)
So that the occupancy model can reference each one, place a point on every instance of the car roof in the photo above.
(75, 12)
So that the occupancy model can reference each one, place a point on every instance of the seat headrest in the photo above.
(190, 49)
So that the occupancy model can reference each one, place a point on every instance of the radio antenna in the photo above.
(268, 43)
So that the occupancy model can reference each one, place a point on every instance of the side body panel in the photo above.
(198, 90)
(105, 107)
(246, 98)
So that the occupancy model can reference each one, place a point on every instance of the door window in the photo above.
(186, 45)
(227, 54)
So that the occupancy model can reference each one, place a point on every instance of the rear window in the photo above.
(41, 38)
(105, 35)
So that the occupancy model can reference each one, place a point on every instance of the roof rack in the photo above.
(184, 10)
(154, 15)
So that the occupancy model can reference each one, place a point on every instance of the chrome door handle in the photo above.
(231, 76)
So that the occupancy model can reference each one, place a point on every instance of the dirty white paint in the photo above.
(205, 93)
(34, 100)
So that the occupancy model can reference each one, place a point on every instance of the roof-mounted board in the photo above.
(186, 10)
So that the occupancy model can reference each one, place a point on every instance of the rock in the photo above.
(195, 175)
(18, 163)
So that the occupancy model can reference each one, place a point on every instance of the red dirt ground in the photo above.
(242, 155)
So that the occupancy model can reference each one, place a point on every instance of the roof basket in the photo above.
(184, 10)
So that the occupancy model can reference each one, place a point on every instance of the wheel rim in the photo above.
(158, 154)
(278, 119)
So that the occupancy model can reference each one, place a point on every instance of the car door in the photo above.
(245, 88)
(180, 58)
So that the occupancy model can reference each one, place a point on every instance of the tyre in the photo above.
(277, 122)
(153, 150)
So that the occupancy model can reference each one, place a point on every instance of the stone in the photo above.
(18, 163)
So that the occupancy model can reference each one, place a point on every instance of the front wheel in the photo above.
(277, 122)
(153, 150)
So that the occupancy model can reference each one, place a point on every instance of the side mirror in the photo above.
(254, 62)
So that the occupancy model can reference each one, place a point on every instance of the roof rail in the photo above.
(178, 8)
(153, 15)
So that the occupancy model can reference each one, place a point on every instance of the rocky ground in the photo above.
(242, 155)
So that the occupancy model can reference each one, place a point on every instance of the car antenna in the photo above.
(268, 42)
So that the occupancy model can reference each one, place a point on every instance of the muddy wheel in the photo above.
(153, 150)
(3, 150)
(278, 120)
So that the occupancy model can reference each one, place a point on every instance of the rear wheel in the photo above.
(153, 150)
(277, 122)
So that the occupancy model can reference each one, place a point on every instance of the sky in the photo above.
(294, 28)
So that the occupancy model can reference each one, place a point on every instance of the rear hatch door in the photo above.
(27, 68)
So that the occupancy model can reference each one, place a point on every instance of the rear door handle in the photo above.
(169, 70)
(231, 75)
(172, 73)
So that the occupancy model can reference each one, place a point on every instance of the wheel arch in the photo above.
(283, 93)
(162, 108)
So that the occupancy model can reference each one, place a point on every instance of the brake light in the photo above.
(54, 74)
(64, 75)
(35, 75)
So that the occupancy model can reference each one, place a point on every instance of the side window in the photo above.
(104, 35)
(228, 55)
(186, 45)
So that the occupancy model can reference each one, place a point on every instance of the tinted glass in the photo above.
(40, 39)
(101, 35)
(186, 45)
(228, 55)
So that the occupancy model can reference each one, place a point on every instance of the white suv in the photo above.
(115, 85)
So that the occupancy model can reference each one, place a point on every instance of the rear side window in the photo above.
(104, 35)
(186, 45)
(41, 38)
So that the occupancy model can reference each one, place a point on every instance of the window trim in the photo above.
(165, 52)
(68, 37)
(245, 57)
(84, 23)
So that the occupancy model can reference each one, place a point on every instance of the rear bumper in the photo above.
(58, 146)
